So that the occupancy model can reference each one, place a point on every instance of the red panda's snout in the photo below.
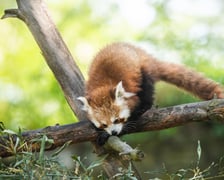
(114, 129)
(116, 126)
(111, 120)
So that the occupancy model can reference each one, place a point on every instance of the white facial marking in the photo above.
(124, 113)
(104, 122)
(114, 127)
(120, 101)
(95, 122)
(112, 119)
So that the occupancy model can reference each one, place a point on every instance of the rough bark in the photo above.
(152, 120)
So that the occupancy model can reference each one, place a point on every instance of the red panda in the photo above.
(120, 86)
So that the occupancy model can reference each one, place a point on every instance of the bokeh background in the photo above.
(187, 32)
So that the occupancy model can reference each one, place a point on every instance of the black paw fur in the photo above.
(102, 138)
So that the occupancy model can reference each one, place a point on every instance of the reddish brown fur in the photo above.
(111, 65)
(124, 62)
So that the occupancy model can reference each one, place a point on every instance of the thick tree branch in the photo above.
(35, 14)
(152, 120)
(158, 119)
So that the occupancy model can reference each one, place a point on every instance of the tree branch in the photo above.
(152, 120)
(158, 119)
(126, 151)
(13, 13)
(55, 52)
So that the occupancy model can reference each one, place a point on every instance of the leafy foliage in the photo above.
(213, 171)
(26, 164)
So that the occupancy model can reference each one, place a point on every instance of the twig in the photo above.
(13, 13)
(126, 151)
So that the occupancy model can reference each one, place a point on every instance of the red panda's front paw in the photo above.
(102, 138)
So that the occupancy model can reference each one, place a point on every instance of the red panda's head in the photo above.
(108, 111)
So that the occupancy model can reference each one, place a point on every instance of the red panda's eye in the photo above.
(103, 126)
(116, 121)
(122, 120)
(119, 120)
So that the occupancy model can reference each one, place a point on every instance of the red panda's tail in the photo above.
(188, 80)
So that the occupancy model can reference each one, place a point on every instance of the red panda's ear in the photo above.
(85, 106)
(120, 92)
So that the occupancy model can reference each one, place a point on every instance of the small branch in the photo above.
(126, 151)
(13, 13)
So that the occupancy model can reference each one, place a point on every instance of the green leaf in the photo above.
(61, 149)
(199, 152)
(2, 126)
(8, 131)
(78, 160)
(97, 163)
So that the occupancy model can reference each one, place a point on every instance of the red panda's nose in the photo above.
(114, 133)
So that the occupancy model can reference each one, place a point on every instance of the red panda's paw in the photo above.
(102, 138)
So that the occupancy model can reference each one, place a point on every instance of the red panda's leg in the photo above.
(102, 138)
(146, 97)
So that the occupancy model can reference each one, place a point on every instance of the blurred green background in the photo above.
(189, 32)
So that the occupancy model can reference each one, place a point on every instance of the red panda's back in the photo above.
(116, 62)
